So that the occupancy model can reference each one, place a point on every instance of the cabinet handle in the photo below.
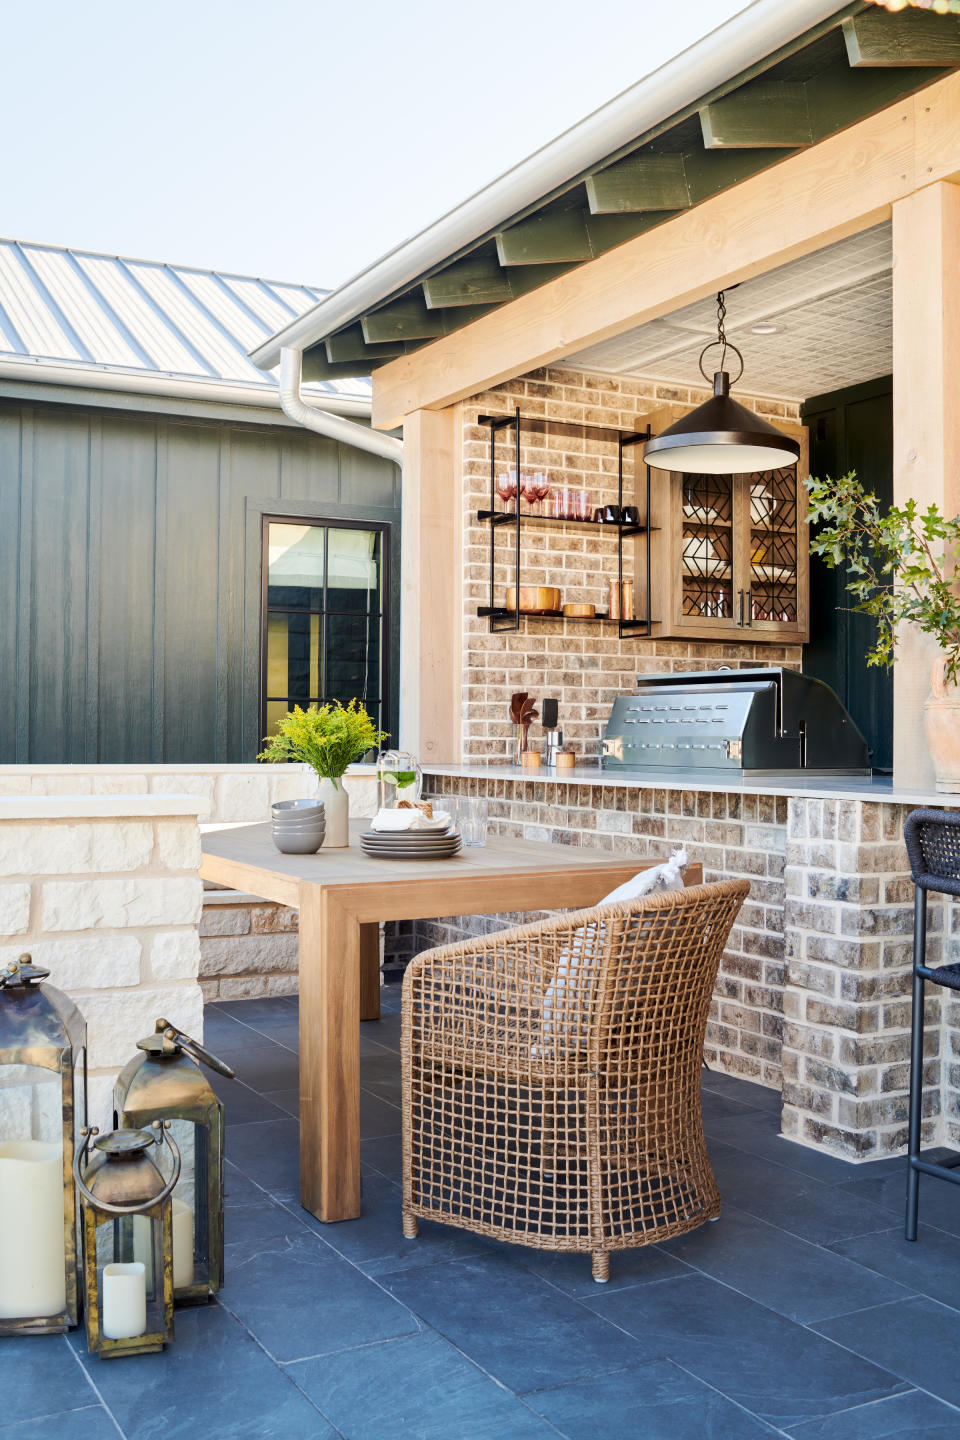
(750, 606)
(740, 621)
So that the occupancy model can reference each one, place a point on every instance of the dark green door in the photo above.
(851, 430)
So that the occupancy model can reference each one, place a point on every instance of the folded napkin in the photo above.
(396, 820)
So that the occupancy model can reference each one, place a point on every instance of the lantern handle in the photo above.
(194, 1049)
(89, 1133)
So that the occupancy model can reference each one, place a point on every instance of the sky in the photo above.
(292, 140)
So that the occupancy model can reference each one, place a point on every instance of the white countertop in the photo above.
(879, 788)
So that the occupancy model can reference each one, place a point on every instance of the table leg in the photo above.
(329, 1057)
(369, 972)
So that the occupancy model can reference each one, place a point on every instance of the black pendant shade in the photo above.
(721, 437)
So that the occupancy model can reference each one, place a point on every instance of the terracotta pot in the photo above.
(942, 719)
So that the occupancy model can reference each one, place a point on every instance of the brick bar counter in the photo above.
(813, 995)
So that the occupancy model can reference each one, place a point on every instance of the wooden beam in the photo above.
(836, 188)
(768, 114)
(316, 366)
(926, 421)
(473, 281)
(641, 182)
(548, 238)
(430, 609)
(409, 319)
(350, 345)
(911, 37)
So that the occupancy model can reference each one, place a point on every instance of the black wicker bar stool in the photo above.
(933, 845)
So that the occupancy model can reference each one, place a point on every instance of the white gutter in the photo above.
(733, 47)
(169, 386)
(335, 428)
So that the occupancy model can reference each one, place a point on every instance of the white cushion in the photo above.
(658, 877)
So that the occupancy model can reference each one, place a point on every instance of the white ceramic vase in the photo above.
(942, 717)
(336, 810)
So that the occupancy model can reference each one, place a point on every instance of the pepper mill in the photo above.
(552, 738)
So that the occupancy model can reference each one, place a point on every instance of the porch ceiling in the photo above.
(833, 313)
(859, 61)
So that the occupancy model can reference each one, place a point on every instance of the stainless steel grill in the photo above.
(764, 721)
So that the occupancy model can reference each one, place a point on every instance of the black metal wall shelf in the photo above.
(502, 620)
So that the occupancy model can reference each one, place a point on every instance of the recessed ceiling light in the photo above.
(765, 329)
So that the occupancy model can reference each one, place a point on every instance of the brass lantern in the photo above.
(43, 1057)
(127, 1240)
(166, 1080)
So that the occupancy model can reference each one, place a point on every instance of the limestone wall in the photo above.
(103, 891)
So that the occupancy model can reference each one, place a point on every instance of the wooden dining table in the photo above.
(342, 895)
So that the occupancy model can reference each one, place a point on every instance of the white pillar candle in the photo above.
(124, 1301)
(33, 1278)
(182, 1244)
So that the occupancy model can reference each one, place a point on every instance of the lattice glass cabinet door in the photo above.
(707, 549)
(773, 588)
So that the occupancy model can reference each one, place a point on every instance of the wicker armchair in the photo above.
(551, 1076)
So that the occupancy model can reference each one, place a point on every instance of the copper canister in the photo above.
(626, 599)
(614, 600)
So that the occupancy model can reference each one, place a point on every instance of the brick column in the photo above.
(849, 935)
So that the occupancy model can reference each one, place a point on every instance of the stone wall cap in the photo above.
(877, 789)
(99, 807)
(168, 769)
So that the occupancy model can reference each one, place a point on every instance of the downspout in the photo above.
(325, 423)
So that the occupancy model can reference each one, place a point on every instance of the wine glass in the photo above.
(541, 487)
(528, 487)
(506, 486)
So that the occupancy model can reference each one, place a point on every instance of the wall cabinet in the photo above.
(731, 557)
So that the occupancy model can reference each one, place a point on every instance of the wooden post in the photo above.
(431, 578)
(926, 420)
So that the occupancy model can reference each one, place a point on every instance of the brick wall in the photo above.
(248, 947)
(584, 665)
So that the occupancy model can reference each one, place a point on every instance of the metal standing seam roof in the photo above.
(87, 311)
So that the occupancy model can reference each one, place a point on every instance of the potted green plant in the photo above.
(902, 567)
(328, 738)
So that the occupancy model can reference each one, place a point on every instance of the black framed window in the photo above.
(325, 585)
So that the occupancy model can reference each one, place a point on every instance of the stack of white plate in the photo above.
(410, 844)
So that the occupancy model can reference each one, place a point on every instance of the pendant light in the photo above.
(721, 437)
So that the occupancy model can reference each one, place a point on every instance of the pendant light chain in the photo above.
(722, 341)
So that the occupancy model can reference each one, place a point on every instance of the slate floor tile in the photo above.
(657, 1401)
(799, 1280)
(771, 1366)
(572, 1272)
(375, 1242)
(417, 1388)
(243, 1104)
(38, 1376)
(913, 1414)
(915, 1338)
(514, 1325)
(300, 1299)
(750, 1134)
(758, 1097)
(268, 1152)
(213, 1380)
(822, 1214)
(928, 1266)
(262, 1013)
(384, 1154)
(939, 1199)
(91, 1423)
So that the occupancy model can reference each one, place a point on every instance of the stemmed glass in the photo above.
(507, 486)
(541, 487)
(528, 487)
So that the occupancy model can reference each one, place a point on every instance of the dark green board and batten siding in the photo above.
(130, 603)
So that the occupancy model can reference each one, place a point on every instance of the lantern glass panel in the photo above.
(33, 1258)
(191, 1229)
(130, 1297)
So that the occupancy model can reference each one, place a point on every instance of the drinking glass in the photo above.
(472, 816)
(528, 486)
(584, 510)
(507, 487)
(541, 487)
